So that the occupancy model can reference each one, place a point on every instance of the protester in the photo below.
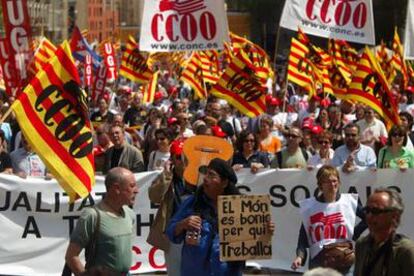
(159, 157)
(325, 152)
(5, 160)
(341, 209)
(406, 120)
(384, 251)
(26, 163)
(122, 154)
(199, 213)
(292, 156)
(103, 114)
(353, 155)
(267, 142)
(372, 130)
(169, 190)
(112, 245)
(247, 154)
(394, 154)
(103, 144)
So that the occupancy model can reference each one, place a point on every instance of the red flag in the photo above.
(19, 34)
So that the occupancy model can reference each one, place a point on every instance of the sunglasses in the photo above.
(249, 141)
(351, 135)
(292, 136)
(397, 135)
(377, 211)
(160, 138)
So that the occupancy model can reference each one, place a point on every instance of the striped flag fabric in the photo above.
(300, 69)
(386, 62)
(43, 53)
(53, 115)
(210, 65)
(133, 65)
(150, 89)
(398, 58)
(369, 86)
(193, 75)
(240, 86)
(81, 48)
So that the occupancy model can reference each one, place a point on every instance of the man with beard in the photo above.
(353, 155)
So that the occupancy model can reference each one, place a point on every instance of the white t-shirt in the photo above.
(157, 160)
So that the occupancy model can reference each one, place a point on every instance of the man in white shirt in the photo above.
(371, 128)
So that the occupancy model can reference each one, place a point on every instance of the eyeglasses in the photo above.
(324, 142)
(351, 135)
(377, 211)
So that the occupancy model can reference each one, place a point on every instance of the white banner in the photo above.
(409, 32)
(183, 25)
(347, 20)
(36, 218)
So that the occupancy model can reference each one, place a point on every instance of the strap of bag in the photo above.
(90, 251)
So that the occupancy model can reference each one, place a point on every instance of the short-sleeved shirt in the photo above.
(405, 159)
(114, 241)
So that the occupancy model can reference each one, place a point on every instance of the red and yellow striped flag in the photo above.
(193, 75)
(370, 87)
(241, 86)
(386, 62)
(300, 69)
(52, 114)
(44, 52)
(133, 65)
(150, 89)
(210, 65)
(398, 59)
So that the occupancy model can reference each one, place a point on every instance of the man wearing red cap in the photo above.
(169, 190)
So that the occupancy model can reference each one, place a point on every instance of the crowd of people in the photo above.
(296, 131)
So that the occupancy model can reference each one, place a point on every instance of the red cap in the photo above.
(325, 102)
(176, 147)
(275, 101)
(316, 129)
(158, 95)
(307, 123)
(268, 98)
(171, 121)
(218, 132)
(172, 90)
(410, 89)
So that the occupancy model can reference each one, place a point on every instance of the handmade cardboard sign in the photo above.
(243, 227)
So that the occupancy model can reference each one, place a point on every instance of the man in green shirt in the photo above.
(112, 254)
(384, 251)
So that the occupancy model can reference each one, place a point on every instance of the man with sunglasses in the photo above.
(353, 155)
(383, 251)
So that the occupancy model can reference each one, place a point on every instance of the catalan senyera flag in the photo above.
(300, 69)
(210, 65)
(43, 53)
(369, 86)
(398, 58)
(386, 62)
(133, 65)
(193, 75)
(241, 87)
(150, 89)
(53, 115)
